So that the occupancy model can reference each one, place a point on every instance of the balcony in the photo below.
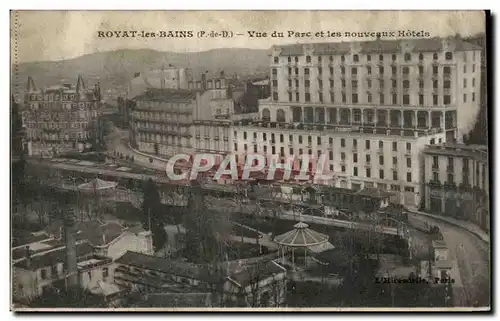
(368, 164)
(450, 169)
(450, 184)
(446, 76)
(435, 167)
(434, 183)
(446, 91)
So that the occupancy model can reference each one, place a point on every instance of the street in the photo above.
(472, 256)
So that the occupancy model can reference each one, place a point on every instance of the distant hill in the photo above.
(115, 68)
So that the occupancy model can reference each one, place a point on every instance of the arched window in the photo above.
(266, 114)
(420, 57)
(280, 116)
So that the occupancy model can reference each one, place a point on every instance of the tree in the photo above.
(152, 219)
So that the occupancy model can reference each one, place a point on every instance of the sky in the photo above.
(59, 35)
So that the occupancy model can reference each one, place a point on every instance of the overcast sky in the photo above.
(57, 35)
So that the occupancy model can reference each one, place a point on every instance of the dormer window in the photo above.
(276, 60)
(448, 56)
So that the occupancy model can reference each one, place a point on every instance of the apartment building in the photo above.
(457, 182)
(371, 106)
(166, 121)
(60, 117)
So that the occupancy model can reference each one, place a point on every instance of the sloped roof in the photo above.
(301, 236)
(178, 268)
(95, 232)
(54, 257)
(155, 94)
(97, 185)
(377, 46)
(256, 272)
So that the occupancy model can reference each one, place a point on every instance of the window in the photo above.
(473, 82)
(89, 273)
(330, 155)
(406, 99)
(354, 84)
(465, 98)
(290, 97)
(406, 70)
(318, 140)
(394, 70)
(473, 97)
(369, 97)
(420, 70)
(354, 98)
(381, 160)
(307, 83)
(344, 99)
(330, 141)
(368, 172)
(297, 96)
(421, 84)
(367, 144)
(408, 162)
(355, 157)
(342, 156)
(306, 71)
(435, 100)
(355, 171)
(105, 272)
(342, 168)
(394, 146)
(473, 68)
(291, 151)
(394, 160)
(408, 177)
(276, 60)
(380, 144)
(235, 147)
(300, 139)
(435, 56)
(274, 71)
(420, 57)
(408, 146)
(355, 58)
(381, 173)
(381, 70)
(308, 97)
(342, 142)
(435, 176)
(275, 96)
(446, 99)
(447, 71)
(320, 59)
(381, 98)
(435, 84)
(354, 71)
(342, 58)
(255, 148)
(381, 57)
(354, 143)
(407, 56)
(264, 136)
(308, 59)
(394, 99)
(435, 70)
(448, 56)
(381, 82)
(54, 271)
(394, 175)
(465, 69)
(369, 57)
(369, 70)
(244, 135)
(421, 100)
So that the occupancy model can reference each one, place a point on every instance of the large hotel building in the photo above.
(372, 107)
(60, 117)
(172, 113)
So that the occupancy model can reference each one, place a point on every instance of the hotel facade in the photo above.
(167, 120)
(372, 107)
(61, 117)
(457, 182)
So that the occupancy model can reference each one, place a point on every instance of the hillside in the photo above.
(115, 68)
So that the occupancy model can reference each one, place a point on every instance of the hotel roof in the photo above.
(378, 46)
(173, 267)
(155, 94)
(54, 257)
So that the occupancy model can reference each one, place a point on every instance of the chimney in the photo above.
(71, 263)
(204, 80)
(28, 257)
